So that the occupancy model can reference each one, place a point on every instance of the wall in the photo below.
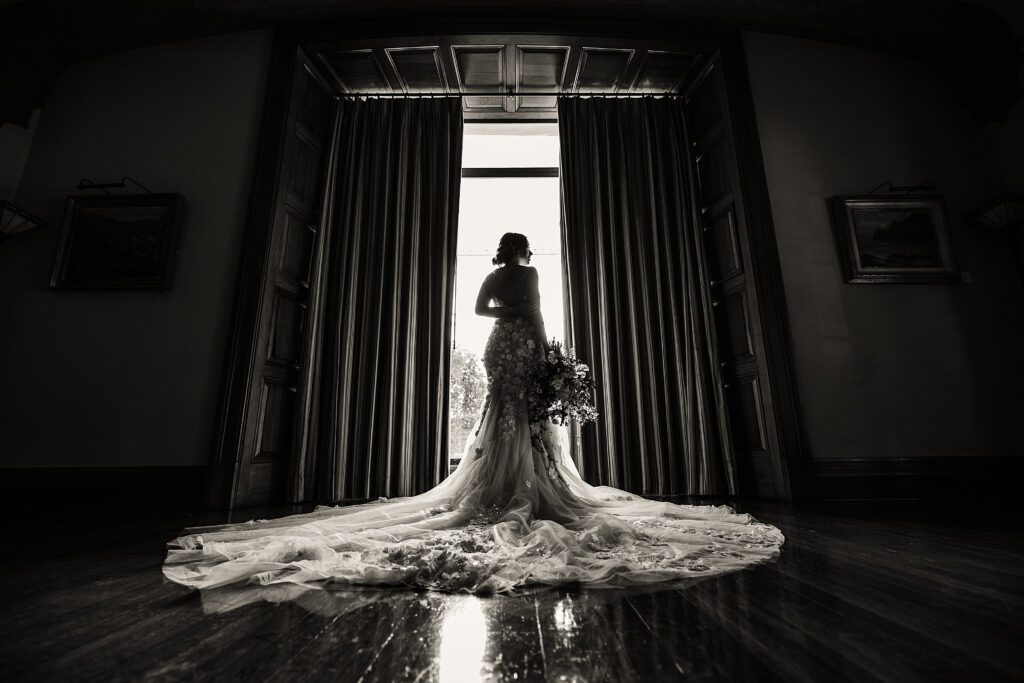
(15, 142)
(1007, 141)
(1007, 144)
(132, 378)
(887, 370)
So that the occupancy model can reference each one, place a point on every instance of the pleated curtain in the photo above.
(382, 357)
(635, 301)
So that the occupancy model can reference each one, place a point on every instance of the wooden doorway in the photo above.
(265, 426)
(748, 331)
(265, 429)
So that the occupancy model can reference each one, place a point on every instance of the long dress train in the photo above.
(515, 512)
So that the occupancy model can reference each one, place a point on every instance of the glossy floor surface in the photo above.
(861, 592)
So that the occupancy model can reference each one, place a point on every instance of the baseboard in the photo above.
(102, 488)
(976, 477)
(972, 477)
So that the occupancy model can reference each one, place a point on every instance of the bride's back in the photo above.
(508, 284)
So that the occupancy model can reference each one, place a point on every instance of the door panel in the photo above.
(275, 421)
(736, 338)
(744, 400)
(299, 243)
(271, 432)
(712, 171)
(722, 245)
(286, 329)
(305, 171)
(732, 325)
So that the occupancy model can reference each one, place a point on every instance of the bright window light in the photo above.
(463, 640)
(488, 208)
(512, 145)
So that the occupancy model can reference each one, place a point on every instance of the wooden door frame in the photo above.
(766, 271)
(764, 299)
(252, 271)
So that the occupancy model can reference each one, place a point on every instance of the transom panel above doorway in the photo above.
(507, 77)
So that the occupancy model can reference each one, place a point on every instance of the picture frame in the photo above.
(117, 241)
(893, 239)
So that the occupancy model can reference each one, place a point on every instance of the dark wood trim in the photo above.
(102, 488)
(300, 475)
(252, 270)
(974, 477)
(767, 275)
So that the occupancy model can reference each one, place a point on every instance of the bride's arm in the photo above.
(533, 299)
(484, 308)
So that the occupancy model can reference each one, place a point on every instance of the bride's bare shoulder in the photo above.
(511, 268)
(511, 275)
(529, 274)
(499, 273)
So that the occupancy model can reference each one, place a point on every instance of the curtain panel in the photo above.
(636, 304)
(382, 350)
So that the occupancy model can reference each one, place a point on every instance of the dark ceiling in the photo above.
(42, 38)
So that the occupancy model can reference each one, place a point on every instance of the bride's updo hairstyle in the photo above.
(510, 246)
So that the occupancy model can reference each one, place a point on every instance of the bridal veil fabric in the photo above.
(514, 513)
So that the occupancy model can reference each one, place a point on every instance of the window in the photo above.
(509, 184)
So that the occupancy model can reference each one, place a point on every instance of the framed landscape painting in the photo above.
(884, 239)
(117, 242)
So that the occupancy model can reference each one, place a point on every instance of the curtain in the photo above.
(382, 353)
(635, 301)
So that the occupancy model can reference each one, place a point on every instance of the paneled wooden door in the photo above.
(748, 421)
(272, 437)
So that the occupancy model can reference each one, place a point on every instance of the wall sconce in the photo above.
(1004, 214)
(14, 220)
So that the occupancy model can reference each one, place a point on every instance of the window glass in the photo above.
(488, 208)
(484, 146)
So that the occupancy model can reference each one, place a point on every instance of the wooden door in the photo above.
(748, 421)
(272, 433)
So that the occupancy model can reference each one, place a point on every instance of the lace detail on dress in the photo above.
(469, 559)
(549, 459)
(510, 355)
(515, 512)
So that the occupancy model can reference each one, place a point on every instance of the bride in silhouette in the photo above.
(515, 511)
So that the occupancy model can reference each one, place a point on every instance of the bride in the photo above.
(515, 511)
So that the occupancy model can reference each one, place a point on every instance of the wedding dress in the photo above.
(515, 512)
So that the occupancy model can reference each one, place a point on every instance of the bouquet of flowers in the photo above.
(563, 389)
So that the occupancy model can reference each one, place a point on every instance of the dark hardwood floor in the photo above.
(861, 592)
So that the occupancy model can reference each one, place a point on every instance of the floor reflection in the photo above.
(330, 601)
(319, 600)
(542, 633)
(871, 592)
(566, 623)
(463, 640)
